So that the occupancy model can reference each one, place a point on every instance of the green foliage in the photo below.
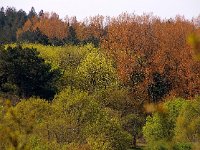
(95, 72)
(32, 115)
(24, 68)
(173, 108)
(13, 134)
(159, 145)
(156, 128)
(66, 58)
(116, 98)
(121, 104)
(177, 125)
(182, 146)
(187, 125)
(92, 111)
(32, 112)
(90, 122)
(194, 41)
(161, 125)
(73, 121)
(78, 107)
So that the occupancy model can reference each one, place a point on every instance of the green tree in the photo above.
(89, 123)
(188, 123)
(122, 104)
(24, 68)
(160, 127)
(72, 37)
(26, 126)
(10, 21)
(95, 72)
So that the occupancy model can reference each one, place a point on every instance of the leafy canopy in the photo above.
(25, 69)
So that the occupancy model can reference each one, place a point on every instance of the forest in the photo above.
(130, 82)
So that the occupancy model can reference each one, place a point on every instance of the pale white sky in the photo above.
(86, 8)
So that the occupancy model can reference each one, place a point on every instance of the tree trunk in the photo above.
(134, 141)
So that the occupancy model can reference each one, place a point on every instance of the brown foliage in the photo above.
(28, 26)
(90, 27)
(52, 26)
(141, 47)
(148, 45)
(49, 24)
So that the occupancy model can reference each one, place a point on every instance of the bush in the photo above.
(158, 145)
(182, 146)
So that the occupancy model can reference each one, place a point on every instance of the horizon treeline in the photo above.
(48, 29)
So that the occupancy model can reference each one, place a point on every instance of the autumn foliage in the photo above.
(154, 51)
(48, 24)
(152, 55)
(110, 82)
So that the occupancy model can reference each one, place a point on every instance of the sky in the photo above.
(85, 8)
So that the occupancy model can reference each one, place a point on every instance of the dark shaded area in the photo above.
(10, 21)
(93, 40)
(72, 37)
(159, 87)
(137, 77)
(34, 37)
(24, 73)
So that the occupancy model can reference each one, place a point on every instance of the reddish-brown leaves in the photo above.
(148, 44)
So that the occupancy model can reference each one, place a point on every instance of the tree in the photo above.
(133, 123)
(119, 101)
(146, 45)
(48, 25)
(72, 37)
(187, 125)
(35, 36)
(160, 128)
(10, 21)
(95, 72)
(32, 13)
(24, 68)
(52, 26)
(90, 123)
(25, 126)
